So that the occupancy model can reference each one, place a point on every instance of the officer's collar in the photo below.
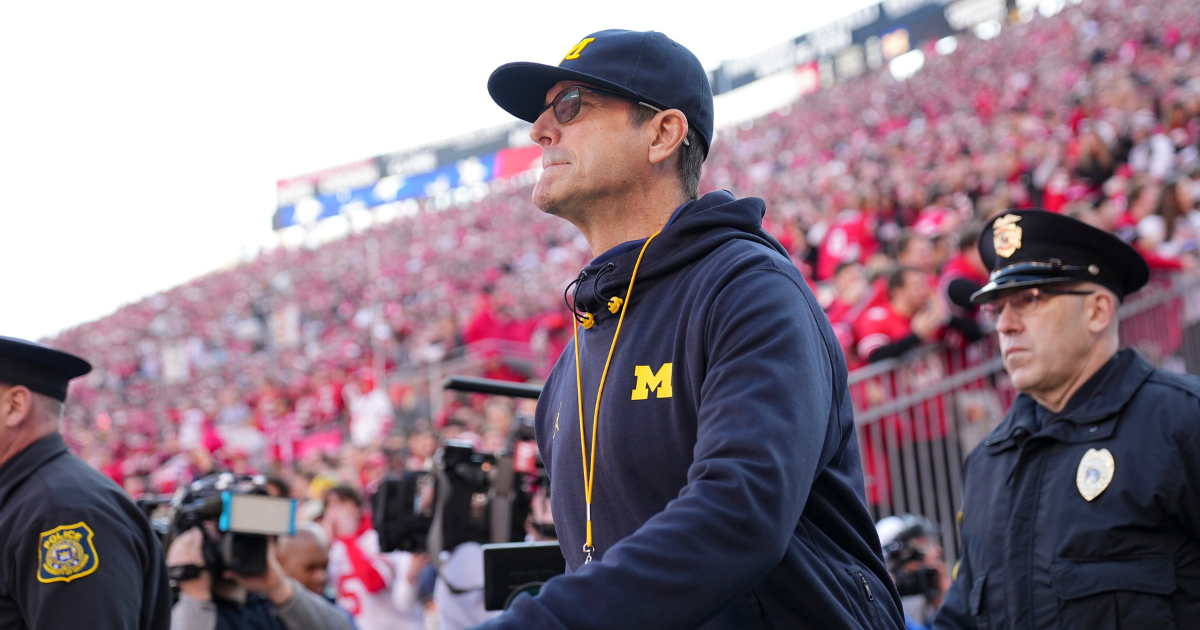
(1102, 396)
(1109, 389)
(16, 470)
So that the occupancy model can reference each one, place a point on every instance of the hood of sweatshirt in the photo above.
(701, 226)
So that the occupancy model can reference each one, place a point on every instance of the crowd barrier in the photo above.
(920, 415)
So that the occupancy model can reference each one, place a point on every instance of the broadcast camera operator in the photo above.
(915, 562)
(230, 601)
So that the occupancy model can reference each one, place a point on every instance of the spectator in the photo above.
(851, 291)
(368, 583)
(908, 319)
(304, 557)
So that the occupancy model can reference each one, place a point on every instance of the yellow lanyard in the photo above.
(589, 468)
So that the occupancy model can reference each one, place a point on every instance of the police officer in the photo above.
(75, 552)
(1080, 510)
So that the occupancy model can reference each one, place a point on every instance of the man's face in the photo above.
(304, 559)
(915, 292)
(596, 154)
(1044, 347)
(918, 254)
(850, 283)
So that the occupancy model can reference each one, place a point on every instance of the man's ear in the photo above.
(16, 404)
(670, 127)
(1101, 311)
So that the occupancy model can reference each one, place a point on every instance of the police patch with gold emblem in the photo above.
(67, 553)
(1006, 235)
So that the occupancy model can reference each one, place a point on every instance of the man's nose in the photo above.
(544, 130)
(1009, 322)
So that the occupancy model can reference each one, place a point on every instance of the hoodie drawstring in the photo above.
(589, 468)
(587, 320)
(614, 303)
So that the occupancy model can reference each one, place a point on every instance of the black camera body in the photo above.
(901, 553)
(923, 581)
(237, 518)
(468, 497)
(476, 497)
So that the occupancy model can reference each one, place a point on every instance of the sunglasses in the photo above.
(566, 103)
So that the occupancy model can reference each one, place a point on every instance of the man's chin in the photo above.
(1022, 377)
(546, 200)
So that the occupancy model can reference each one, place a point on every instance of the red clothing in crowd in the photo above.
(959, 267)
(1157, 261)
(364, 578)
(877, 327)
(851, 237)
(841, 317)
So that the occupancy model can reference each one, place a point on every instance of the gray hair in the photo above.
(51, 407)
(691, 152)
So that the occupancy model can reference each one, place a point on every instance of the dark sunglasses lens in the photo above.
(566, 106)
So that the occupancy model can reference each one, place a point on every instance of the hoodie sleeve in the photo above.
(765, 409)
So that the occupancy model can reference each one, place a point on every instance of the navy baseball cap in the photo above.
(648, 66)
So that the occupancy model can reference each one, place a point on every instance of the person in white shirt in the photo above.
(376, 588)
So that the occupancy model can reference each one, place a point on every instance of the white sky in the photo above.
(140, 142)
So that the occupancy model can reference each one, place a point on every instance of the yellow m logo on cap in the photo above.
(647, 380)
(578, 48)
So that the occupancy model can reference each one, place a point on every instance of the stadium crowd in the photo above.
(876, 186)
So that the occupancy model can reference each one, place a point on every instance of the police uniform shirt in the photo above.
(1091, 520)
(76, 552)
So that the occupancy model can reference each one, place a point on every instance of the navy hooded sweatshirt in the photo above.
(728, 488)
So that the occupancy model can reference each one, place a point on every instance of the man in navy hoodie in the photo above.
(698, 432)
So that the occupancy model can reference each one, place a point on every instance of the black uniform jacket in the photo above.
(75, 551)
(1037, 554)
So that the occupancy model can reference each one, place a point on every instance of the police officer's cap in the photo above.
(43, 370)
(1026, 248)
(644, 65)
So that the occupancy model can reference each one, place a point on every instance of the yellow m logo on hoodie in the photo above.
(646, 380)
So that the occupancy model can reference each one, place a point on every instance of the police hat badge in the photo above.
(1006, 235)
(1095, 472)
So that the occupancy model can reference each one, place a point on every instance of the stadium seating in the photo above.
(1093, 112)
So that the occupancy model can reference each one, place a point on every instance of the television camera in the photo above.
(470, 496)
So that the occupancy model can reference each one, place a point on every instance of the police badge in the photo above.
(1006, 235)
(1095, 472)
(67, 553)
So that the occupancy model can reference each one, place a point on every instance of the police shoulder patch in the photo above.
(67, 552)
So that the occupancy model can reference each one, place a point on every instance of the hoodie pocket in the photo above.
(868, 596)
(760, 613)
(1129, 594)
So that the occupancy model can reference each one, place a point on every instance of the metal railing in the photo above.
(918, 416)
